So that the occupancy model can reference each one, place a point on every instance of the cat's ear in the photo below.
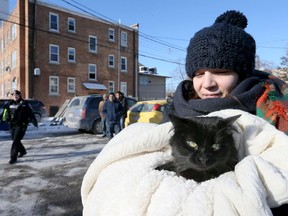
(176, 121)
(232, 119)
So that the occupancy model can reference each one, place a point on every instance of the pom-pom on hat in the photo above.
(224, 45)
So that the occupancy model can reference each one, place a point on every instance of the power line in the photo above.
(84, 41)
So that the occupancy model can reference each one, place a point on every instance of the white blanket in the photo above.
(123, 181)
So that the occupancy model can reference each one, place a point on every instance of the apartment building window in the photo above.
(71, 54)
(111, 34)
(111, 60)
(92, 72)
(92, 44)
(14, 59)
(53, 22)
(71, 84)
(53, 85)
(111, 86)
(124, 39)
(123, 64)
(71, 24)
(53, 53)
(14, 29)
(123, 87)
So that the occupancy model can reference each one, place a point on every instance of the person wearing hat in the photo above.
(221, 81)
(220, 65)
(18, 114)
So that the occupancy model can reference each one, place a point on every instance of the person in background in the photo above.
(18, 114)
(103, 117)
(122, 99)
(113, 111)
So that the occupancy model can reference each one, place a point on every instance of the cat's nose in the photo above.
(203, 160)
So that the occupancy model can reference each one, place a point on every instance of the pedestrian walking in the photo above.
(18, 114)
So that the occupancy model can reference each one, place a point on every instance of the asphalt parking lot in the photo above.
(47, 180)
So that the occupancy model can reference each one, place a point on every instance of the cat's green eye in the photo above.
(216, 146)
(192, 144)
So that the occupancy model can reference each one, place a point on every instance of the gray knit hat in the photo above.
(224, 45)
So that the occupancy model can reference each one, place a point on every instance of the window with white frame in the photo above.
(123, 64)
(71, 84)
(53, 53)
(14, 59)
(53, 85)
(53, 22)
(111, 34)
(92, 72)
(92, 44)
(110, 86)
(14, 29)
(123, 87)
(111, 61)
(71, 54)
(71, 24)
(124, 39)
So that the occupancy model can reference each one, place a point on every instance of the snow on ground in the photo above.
(47, 180)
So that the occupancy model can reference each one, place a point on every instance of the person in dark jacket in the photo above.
(122, 99)
(113, 111)
(18, 114)
(221, 74)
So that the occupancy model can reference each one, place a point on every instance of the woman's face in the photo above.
(214, 83)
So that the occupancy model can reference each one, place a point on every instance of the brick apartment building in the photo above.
(51, 54)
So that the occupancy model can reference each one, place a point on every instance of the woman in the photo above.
(221, 82)
(220, 67)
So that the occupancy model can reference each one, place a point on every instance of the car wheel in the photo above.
(97, 126)
(38, 117)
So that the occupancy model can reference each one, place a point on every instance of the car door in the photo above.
(72, 115)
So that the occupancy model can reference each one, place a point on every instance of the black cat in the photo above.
(202, 147)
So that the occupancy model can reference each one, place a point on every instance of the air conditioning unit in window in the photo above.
(37, 71)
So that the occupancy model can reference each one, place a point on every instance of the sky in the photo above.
(166, 26)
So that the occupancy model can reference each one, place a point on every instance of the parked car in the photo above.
(38, 108)
(82, 113)
(146, 111)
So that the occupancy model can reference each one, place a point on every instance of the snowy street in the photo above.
(47, 180)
